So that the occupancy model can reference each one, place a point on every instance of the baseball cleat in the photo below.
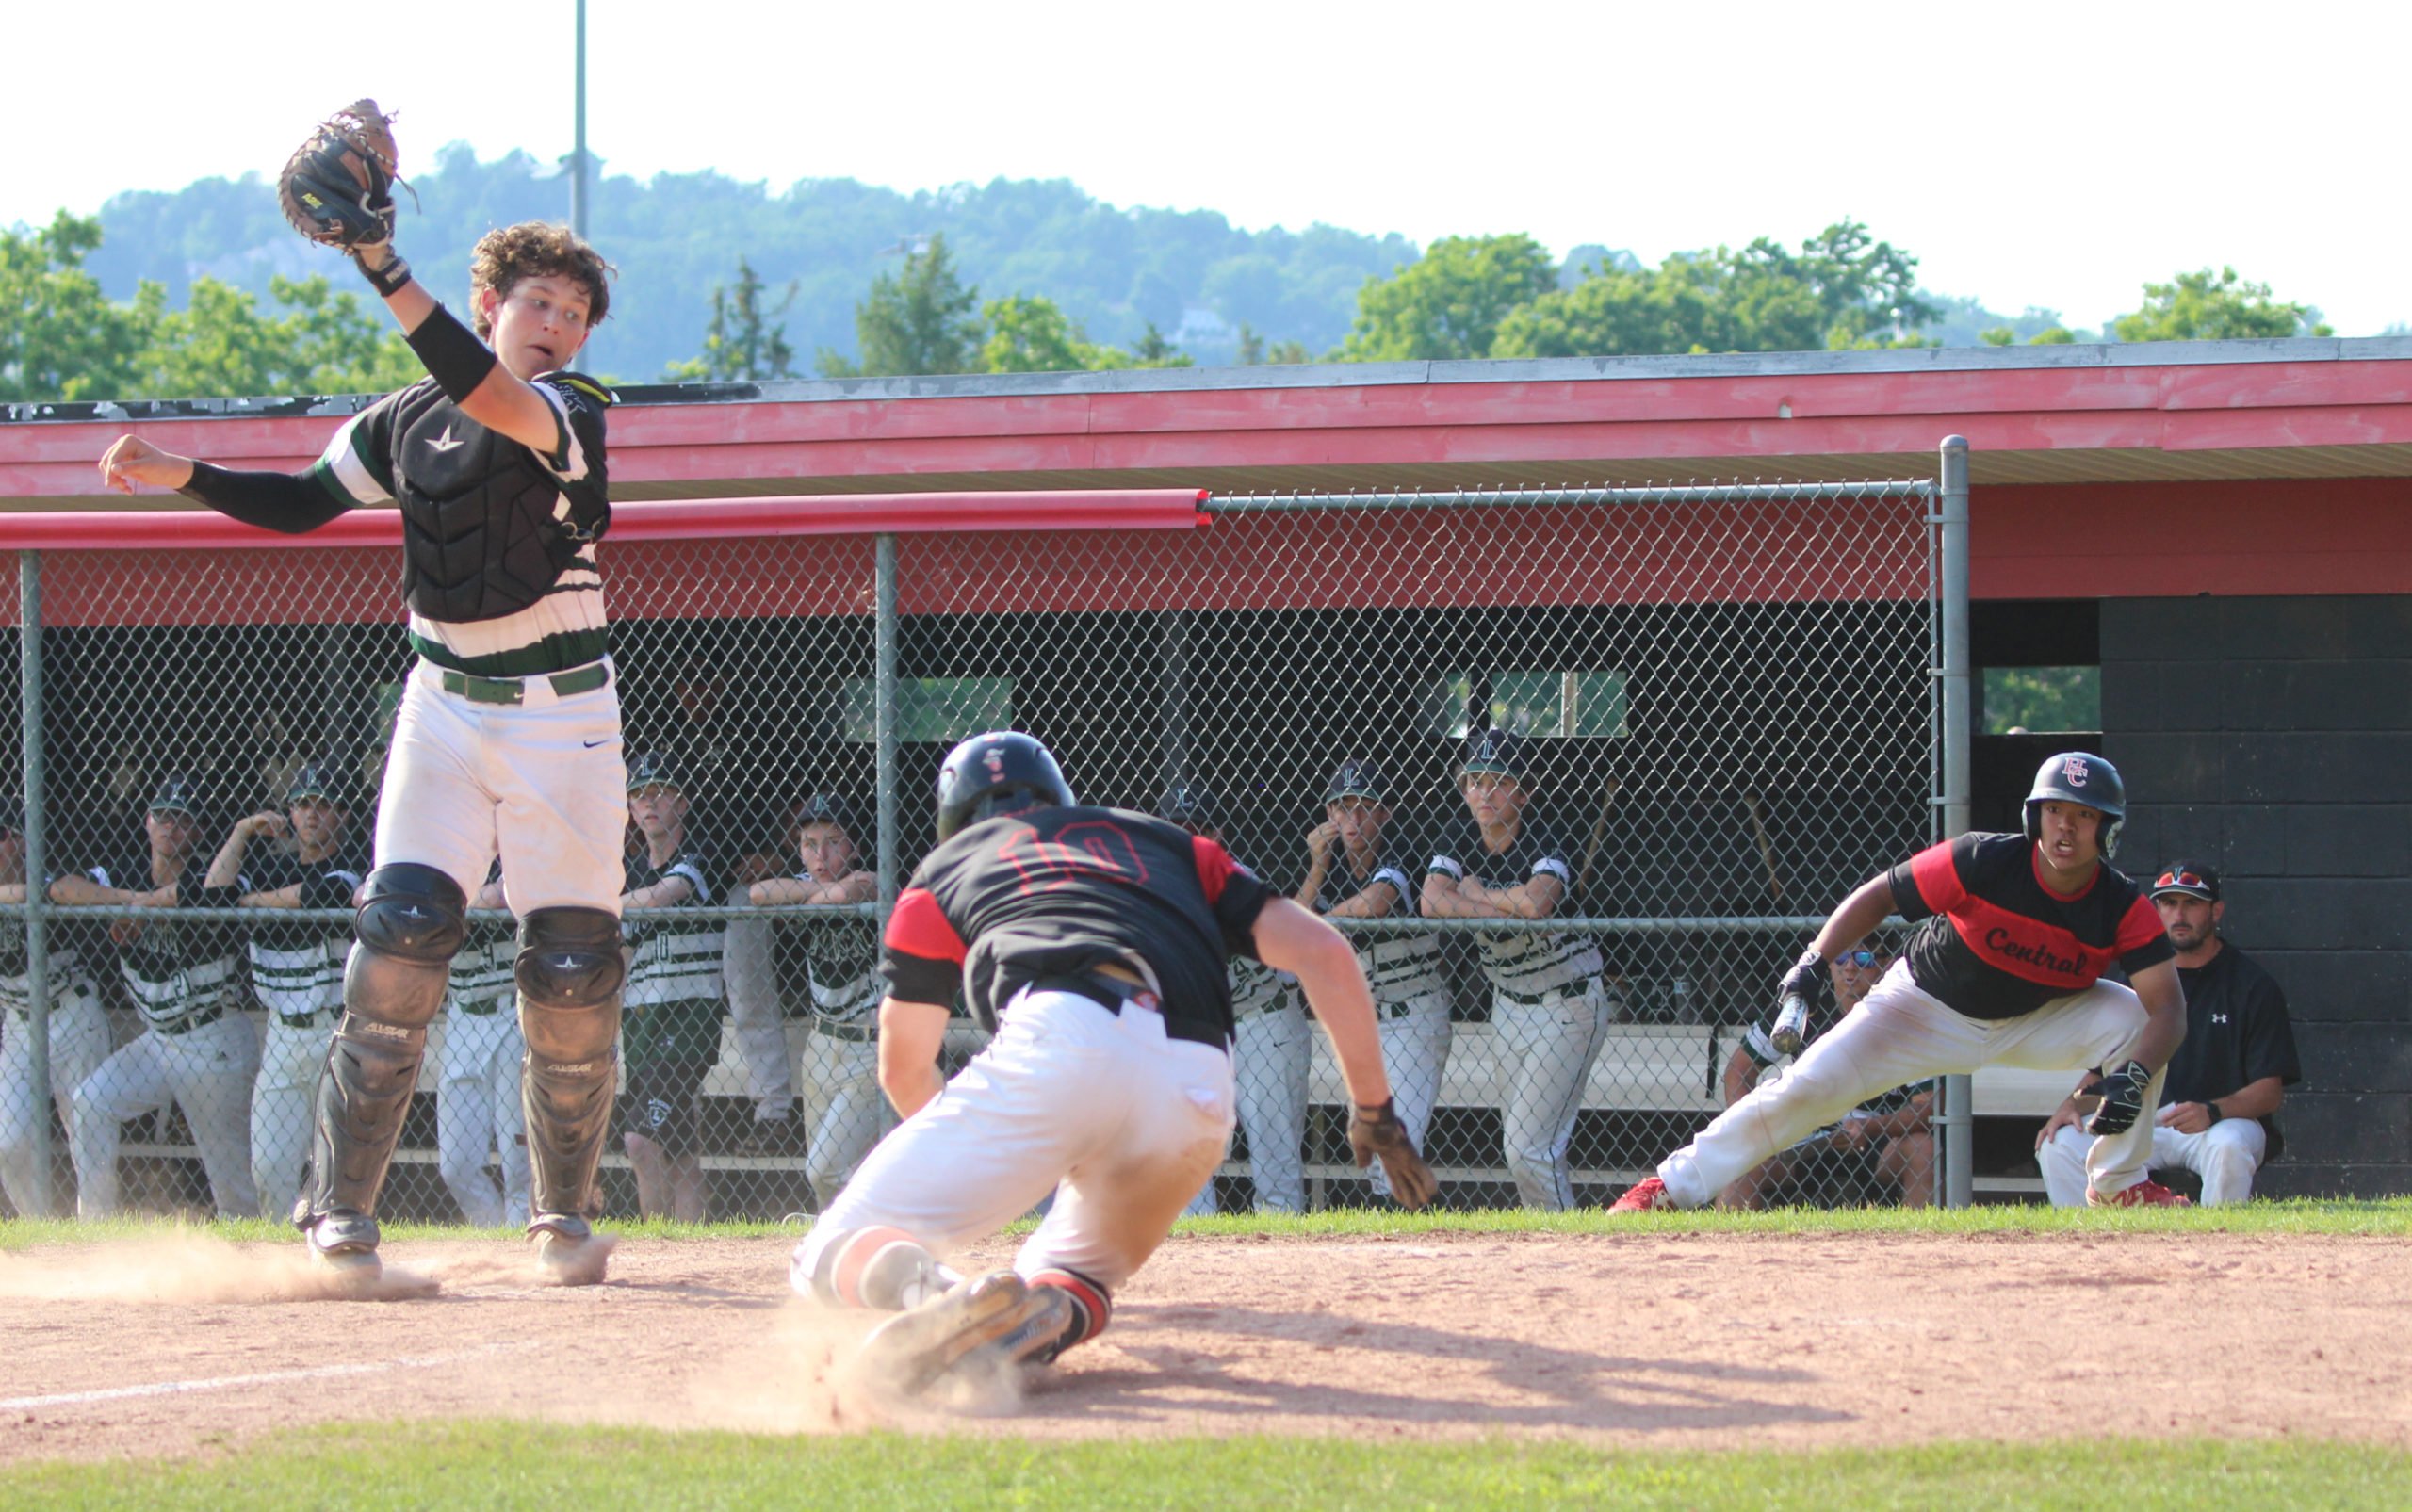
(342, 1246)
(1649, 1194)
(2145, 1193)
(913, 1349)
(568, 1250)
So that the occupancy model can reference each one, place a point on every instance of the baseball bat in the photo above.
(1598, 832)
(1766, 850)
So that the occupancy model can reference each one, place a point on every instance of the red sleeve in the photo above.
(1215, 866)
(920, 927)
(2140, 927)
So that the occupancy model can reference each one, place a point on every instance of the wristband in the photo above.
(388, 281)
(455, 358)
(2211, 1105)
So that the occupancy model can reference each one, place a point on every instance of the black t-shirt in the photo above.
(1063, 890)
(835, 962)
(1998, 943)
(2237, 1030)
(1394, 965)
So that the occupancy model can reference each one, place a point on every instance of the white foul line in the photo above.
(221, 1383)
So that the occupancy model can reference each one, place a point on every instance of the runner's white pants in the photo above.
(207, 1072)
(1123, 1122)
(477, 1114)
(2226, 1156)
(1900, 1034)
(292, 1057)
(79, 1042)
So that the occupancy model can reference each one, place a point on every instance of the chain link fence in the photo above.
(1694, 718)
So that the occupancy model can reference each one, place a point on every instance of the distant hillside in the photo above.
(1194, 275)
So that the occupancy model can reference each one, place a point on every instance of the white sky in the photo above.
(2039, 154)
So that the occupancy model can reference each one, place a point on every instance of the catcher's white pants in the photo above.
(848, 1112)
(1269, 1054)
(2226, 1156)
(542, 782)
(207, 1072)
(477, 1112)
(292, 1057)
(79, 1042)
(1547, 1050)
(750, 976)
(1415, 1050)
(1900, 1034)
(1121, 1121)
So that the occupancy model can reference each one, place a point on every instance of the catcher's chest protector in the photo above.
(484, 533)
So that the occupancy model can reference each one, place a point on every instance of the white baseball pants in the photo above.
(477, 1113)
(1269, 1055)
(749, 974)
(79, 1042)
(1415, 1050)
(2226, 1156)
(848, 1112)
(541, 782)
(1548, 1048)
(1121, 1121)
(1900, 1034)
(293, 1055)
(206, 1071)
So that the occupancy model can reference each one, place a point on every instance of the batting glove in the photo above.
(1375, 1131)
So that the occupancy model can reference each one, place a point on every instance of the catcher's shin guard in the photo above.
(569, 971)
(409, 924)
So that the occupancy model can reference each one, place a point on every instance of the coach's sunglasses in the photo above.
(1860, 958)
(2180, 879)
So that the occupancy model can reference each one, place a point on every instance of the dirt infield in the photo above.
(1642, 1340)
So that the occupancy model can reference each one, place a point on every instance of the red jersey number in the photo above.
(1094, 848)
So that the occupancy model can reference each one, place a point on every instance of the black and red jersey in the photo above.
(1056, 892)
(1999, 943)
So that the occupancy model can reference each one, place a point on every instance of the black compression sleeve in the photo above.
(274, 501)
(455, 358)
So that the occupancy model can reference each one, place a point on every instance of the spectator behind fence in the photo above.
(477, 1099)
(671, 1031)
(2218, 1114)
(1269, 1045)
(1883, 1143)
(195, 1051)
(79, 1032)
(297, 969)
(845, 1113)
(1550, 1004)
(1356, 869)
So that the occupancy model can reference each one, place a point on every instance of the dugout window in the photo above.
(932, 710)
(1587, 704)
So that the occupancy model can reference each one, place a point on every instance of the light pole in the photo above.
(578, 151)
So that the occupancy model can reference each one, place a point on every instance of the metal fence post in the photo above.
(1956, 1124)
(37, 947)
(884, 711)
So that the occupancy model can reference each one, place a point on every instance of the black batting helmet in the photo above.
(2079, 777)
(1001, 772)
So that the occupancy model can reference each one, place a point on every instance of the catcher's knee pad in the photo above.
(409, 912)
(1092, 1307)
(568, 957)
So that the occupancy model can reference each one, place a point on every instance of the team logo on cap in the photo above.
(996, 759)
(2075, 770)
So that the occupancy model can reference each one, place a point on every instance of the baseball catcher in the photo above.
(1093, 942)
(508, 738)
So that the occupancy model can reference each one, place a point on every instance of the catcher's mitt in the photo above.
(337, 187)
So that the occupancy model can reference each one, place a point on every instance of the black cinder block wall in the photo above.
(2273, 738)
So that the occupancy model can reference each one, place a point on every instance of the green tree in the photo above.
(2207, 306)
(742, 345)
(1029, 334)
(1451, 301)
(61, 338)
(919, 319)
(1154, 350)
(220, 345)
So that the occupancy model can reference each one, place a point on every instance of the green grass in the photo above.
(2390, 1217)
(546, 1467)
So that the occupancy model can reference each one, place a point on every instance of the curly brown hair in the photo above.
(533, 249)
